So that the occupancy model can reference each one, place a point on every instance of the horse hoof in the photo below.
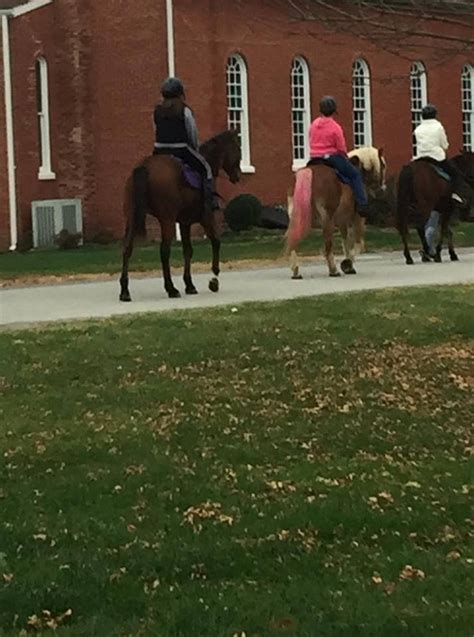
(335, 274)
(347, 267)
(410, 261)
(125, 297)
(454, 257)
(297, 277)
(438, 259)
(174, 294)
(191, 290)
(214, 285)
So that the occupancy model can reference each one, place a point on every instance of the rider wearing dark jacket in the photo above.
(176, 134)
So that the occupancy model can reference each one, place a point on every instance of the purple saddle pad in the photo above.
(193, 178)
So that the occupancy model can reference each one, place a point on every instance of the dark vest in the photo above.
(170, 125)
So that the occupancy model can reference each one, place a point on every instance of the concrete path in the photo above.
(32, 305)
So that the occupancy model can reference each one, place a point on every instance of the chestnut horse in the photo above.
(420, 191)
(158, 187)
(320, 198)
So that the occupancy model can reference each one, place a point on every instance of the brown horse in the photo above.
(157, 186)
(320, 198)
(421, 190)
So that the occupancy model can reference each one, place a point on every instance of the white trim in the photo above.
(45, 171)
(247, 170)
(170, 38)
(238, 62)
(360, 69)
(467, 107)
(300, 105)
(15, 12)
(297, 164)
(7, 75)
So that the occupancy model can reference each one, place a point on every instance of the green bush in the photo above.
(66, 240)
(243, 212)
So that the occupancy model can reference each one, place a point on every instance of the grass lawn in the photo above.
(299, 468)
(252, 245)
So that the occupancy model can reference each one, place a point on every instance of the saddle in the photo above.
(437, 168)
(318, 161)
(192, 178)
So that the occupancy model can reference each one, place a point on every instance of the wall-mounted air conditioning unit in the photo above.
(50, 217)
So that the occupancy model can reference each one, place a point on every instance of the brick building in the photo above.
(79, 80)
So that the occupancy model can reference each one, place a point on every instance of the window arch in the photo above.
(418, 95)
(300, 110)
(237, 105)
(467, 88)
(361, 104)
(42, 102)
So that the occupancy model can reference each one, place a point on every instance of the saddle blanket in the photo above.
(192, 177)
(444, 175)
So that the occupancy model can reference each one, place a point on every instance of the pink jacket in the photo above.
(326, 137)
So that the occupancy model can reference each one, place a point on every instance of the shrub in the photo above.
(66, 240)
(243, 212)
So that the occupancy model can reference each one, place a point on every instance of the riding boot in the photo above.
(362, 210)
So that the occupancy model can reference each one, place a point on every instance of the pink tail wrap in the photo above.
(301, 217)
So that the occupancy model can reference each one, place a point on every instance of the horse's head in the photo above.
(371, 162)
(223, 151)
(465, 163)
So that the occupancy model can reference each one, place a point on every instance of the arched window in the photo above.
(300, 111)
(42, 101)
(419, 95)
(467, 87)
(237, 106)
(361, 104)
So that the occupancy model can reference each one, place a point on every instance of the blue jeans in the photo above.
(431, 230)
(349, 171)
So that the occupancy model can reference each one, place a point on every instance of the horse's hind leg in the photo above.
(167, 234)
(188, 255)
(404, 233)
(328, 234)
(347, 265)
(452, 252)
(294, 266)
(127, 253)
(425, 252)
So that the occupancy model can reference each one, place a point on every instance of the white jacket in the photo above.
(431, 140)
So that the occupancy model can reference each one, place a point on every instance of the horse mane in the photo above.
(215, 141)
(369, 158)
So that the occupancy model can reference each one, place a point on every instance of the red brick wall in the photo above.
(106, 63)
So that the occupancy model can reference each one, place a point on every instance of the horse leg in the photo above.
(295, 268)
(328, 234)
(126, 254)
(445, 232)
(167, 234)
(347, 265)
(209, 228)
(405, 233)
(452, 252)
(188, 255)
(425, 252)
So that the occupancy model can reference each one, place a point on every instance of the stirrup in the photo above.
(457, 197)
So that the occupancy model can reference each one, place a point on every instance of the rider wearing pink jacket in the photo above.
(327, 143)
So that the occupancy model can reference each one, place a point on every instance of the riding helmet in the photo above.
(327, 106)
(429, 112)
(172, 87)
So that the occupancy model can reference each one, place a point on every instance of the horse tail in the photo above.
(140, 199)
(405, 195)
(300, 209)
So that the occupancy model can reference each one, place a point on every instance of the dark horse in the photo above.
(158, 187)
(420, 191)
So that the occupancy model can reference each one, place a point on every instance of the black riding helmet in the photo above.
(327, 106)
(172, 87)
(429, 112)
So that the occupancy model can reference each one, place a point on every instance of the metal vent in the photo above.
(50, 217)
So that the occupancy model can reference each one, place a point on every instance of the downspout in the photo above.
(170, 37)
(7, 79)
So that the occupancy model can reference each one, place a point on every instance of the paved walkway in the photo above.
(31, 305)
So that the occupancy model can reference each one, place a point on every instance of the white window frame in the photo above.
(418, 96)
(238, 106)
(45, 170)
(300, 111)
(361, 104)
(467, 101)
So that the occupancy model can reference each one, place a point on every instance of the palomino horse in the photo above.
(157, 186)
(421, 191)
(320, 198)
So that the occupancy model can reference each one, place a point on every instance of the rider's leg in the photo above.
(457, 178)
(349, 171)
(198, 163)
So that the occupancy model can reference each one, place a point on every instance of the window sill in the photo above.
(248, 170)
(299, 164)
(46, 175)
